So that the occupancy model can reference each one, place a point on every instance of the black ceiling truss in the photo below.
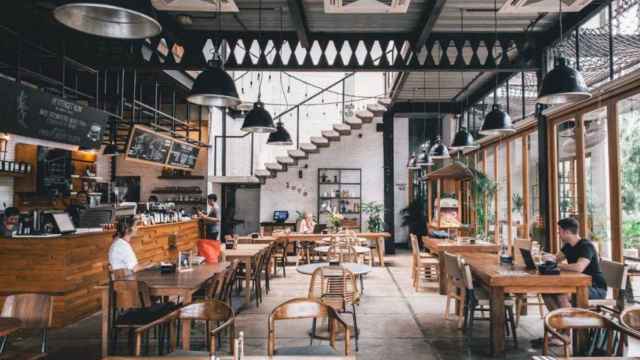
(328, 52)
(432, 12)
(299, 21)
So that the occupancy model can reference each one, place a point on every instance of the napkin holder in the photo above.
(167, 268)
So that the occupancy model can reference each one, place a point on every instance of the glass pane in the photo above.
(502, 192)
(629, 122)
(626, 32)
(594, 49)
(517, 203)
(536, 229)
(515, 97)
(491, 203)
(597, 178)
(530, 93)
(567, 166)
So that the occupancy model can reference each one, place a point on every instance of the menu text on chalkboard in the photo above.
(34, 113)
(183, 155)
(149, 146)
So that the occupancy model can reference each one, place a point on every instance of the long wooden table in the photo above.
(260, 240)
(440, 246)
(379, 237)
(500, 280)
(183, 284)
(246, 254)
(265, 357)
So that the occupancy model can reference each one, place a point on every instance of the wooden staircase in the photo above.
(317, 143)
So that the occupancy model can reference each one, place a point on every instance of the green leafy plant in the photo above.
(374, 210)
(517, 202)
(482, 189)
(414, 216)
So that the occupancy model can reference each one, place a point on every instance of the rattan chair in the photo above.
(306, 308)
(34, 312)
(559, 324)
(336, 287)
(615, 275)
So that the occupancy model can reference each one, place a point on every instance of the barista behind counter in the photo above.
(10, 220)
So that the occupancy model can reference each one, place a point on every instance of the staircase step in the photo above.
(384, 101)
(274, 167)
(353, 123)
(342, 129)
(309, 148)
(297, 154)
(263, 174)
(319, 141)
(365, 115)
(377, 109)
(285, 160)
(331, 135)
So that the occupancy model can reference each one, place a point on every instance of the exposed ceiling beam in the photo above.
(299, 21)
(432, 12)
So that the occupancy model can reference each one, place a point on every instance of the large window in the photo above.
(629, 137)
(597, 180)
(536, 227)
(502, 192)
(567, 185)
(491, 203)
(517, 192)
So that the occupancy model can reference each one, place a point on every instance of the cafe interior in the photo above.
(305, 179)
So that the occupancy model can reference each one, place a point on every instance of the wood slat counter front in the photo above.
(69, 267)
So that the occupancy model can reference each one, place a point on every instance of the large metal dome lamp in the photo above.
(563, 85)
(497, 122)
(422, 158)
(439, 151)
(258, 120)
(214, 87)
(280, 136)
(118, 19)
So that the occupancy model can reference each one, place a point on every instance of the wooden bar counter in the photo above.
(69, 267)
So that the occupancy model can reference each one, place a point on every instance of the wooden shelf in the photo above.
(171, 177)
(175, 192)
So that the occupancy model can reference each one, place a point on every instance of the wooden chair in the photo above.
(279, 256)
(35, 311)
(208, 311)
(306, 308)
(615, 274)
(255, 276)
(423, 265)
(523, 300)
(477, 299)
(134, 309)
(455, 287)
(336, 287)
(559, 323)
(228, 282)
(305, 252)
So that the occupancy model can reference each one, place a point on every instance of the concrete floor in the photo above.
(395, 322)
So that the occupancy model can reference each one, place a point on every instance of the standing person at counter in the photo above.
(9, 221)
(121, 254)
(212, 220)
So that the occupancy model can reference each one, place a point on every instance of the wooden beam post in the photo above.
(615, 184)
(525, 183)
(496, 229)
(509, 195)
(581, 177)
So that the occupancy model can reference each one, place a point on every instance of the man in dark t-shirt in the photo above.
(581, 256)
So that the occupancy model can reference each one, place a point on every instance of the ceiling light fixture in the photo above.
(118, 19)
(439, 151)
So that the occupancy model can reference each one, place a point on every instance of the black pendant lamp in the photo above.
(411, 164)
(118, 19)
(438, 150)
(214, 87)
(280, 136)
(563, 84)
(497, 121)
(463, 140)
(258, 120)
(423, 159)
(111, 150)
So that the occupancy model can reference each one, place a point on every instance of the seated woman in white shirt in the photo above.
(307, 224)
(121, 254)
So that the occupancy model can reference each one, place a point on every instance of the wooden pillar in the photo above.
(509, 195)
(615, 184)
(552, 189)
(429, 202)
(486, 201)
(525, 183)
(581, 177)
(496, 230)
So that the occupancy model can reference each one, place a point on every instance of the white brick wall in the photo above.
(400, 175)
(350, 152)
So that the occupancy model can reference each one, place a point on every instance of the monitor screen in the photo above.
(65, 225)
(280, 215)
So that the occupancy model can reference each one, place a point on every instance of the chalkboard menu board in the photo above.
(147, 145)
(54, 171)
(30, 112)
(183, 155)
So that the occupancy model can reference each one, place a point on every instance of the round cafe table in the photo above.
(357, 269)
(9, 325)
(359, 250)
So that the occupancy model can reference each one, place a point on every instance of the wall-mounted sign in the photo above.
(30, 112)
(152, 147)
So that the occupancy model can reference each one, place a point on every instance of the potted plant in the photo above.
(374, 210)
(517, 203)
(335, 220)
(482, 188)
(414, 216)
